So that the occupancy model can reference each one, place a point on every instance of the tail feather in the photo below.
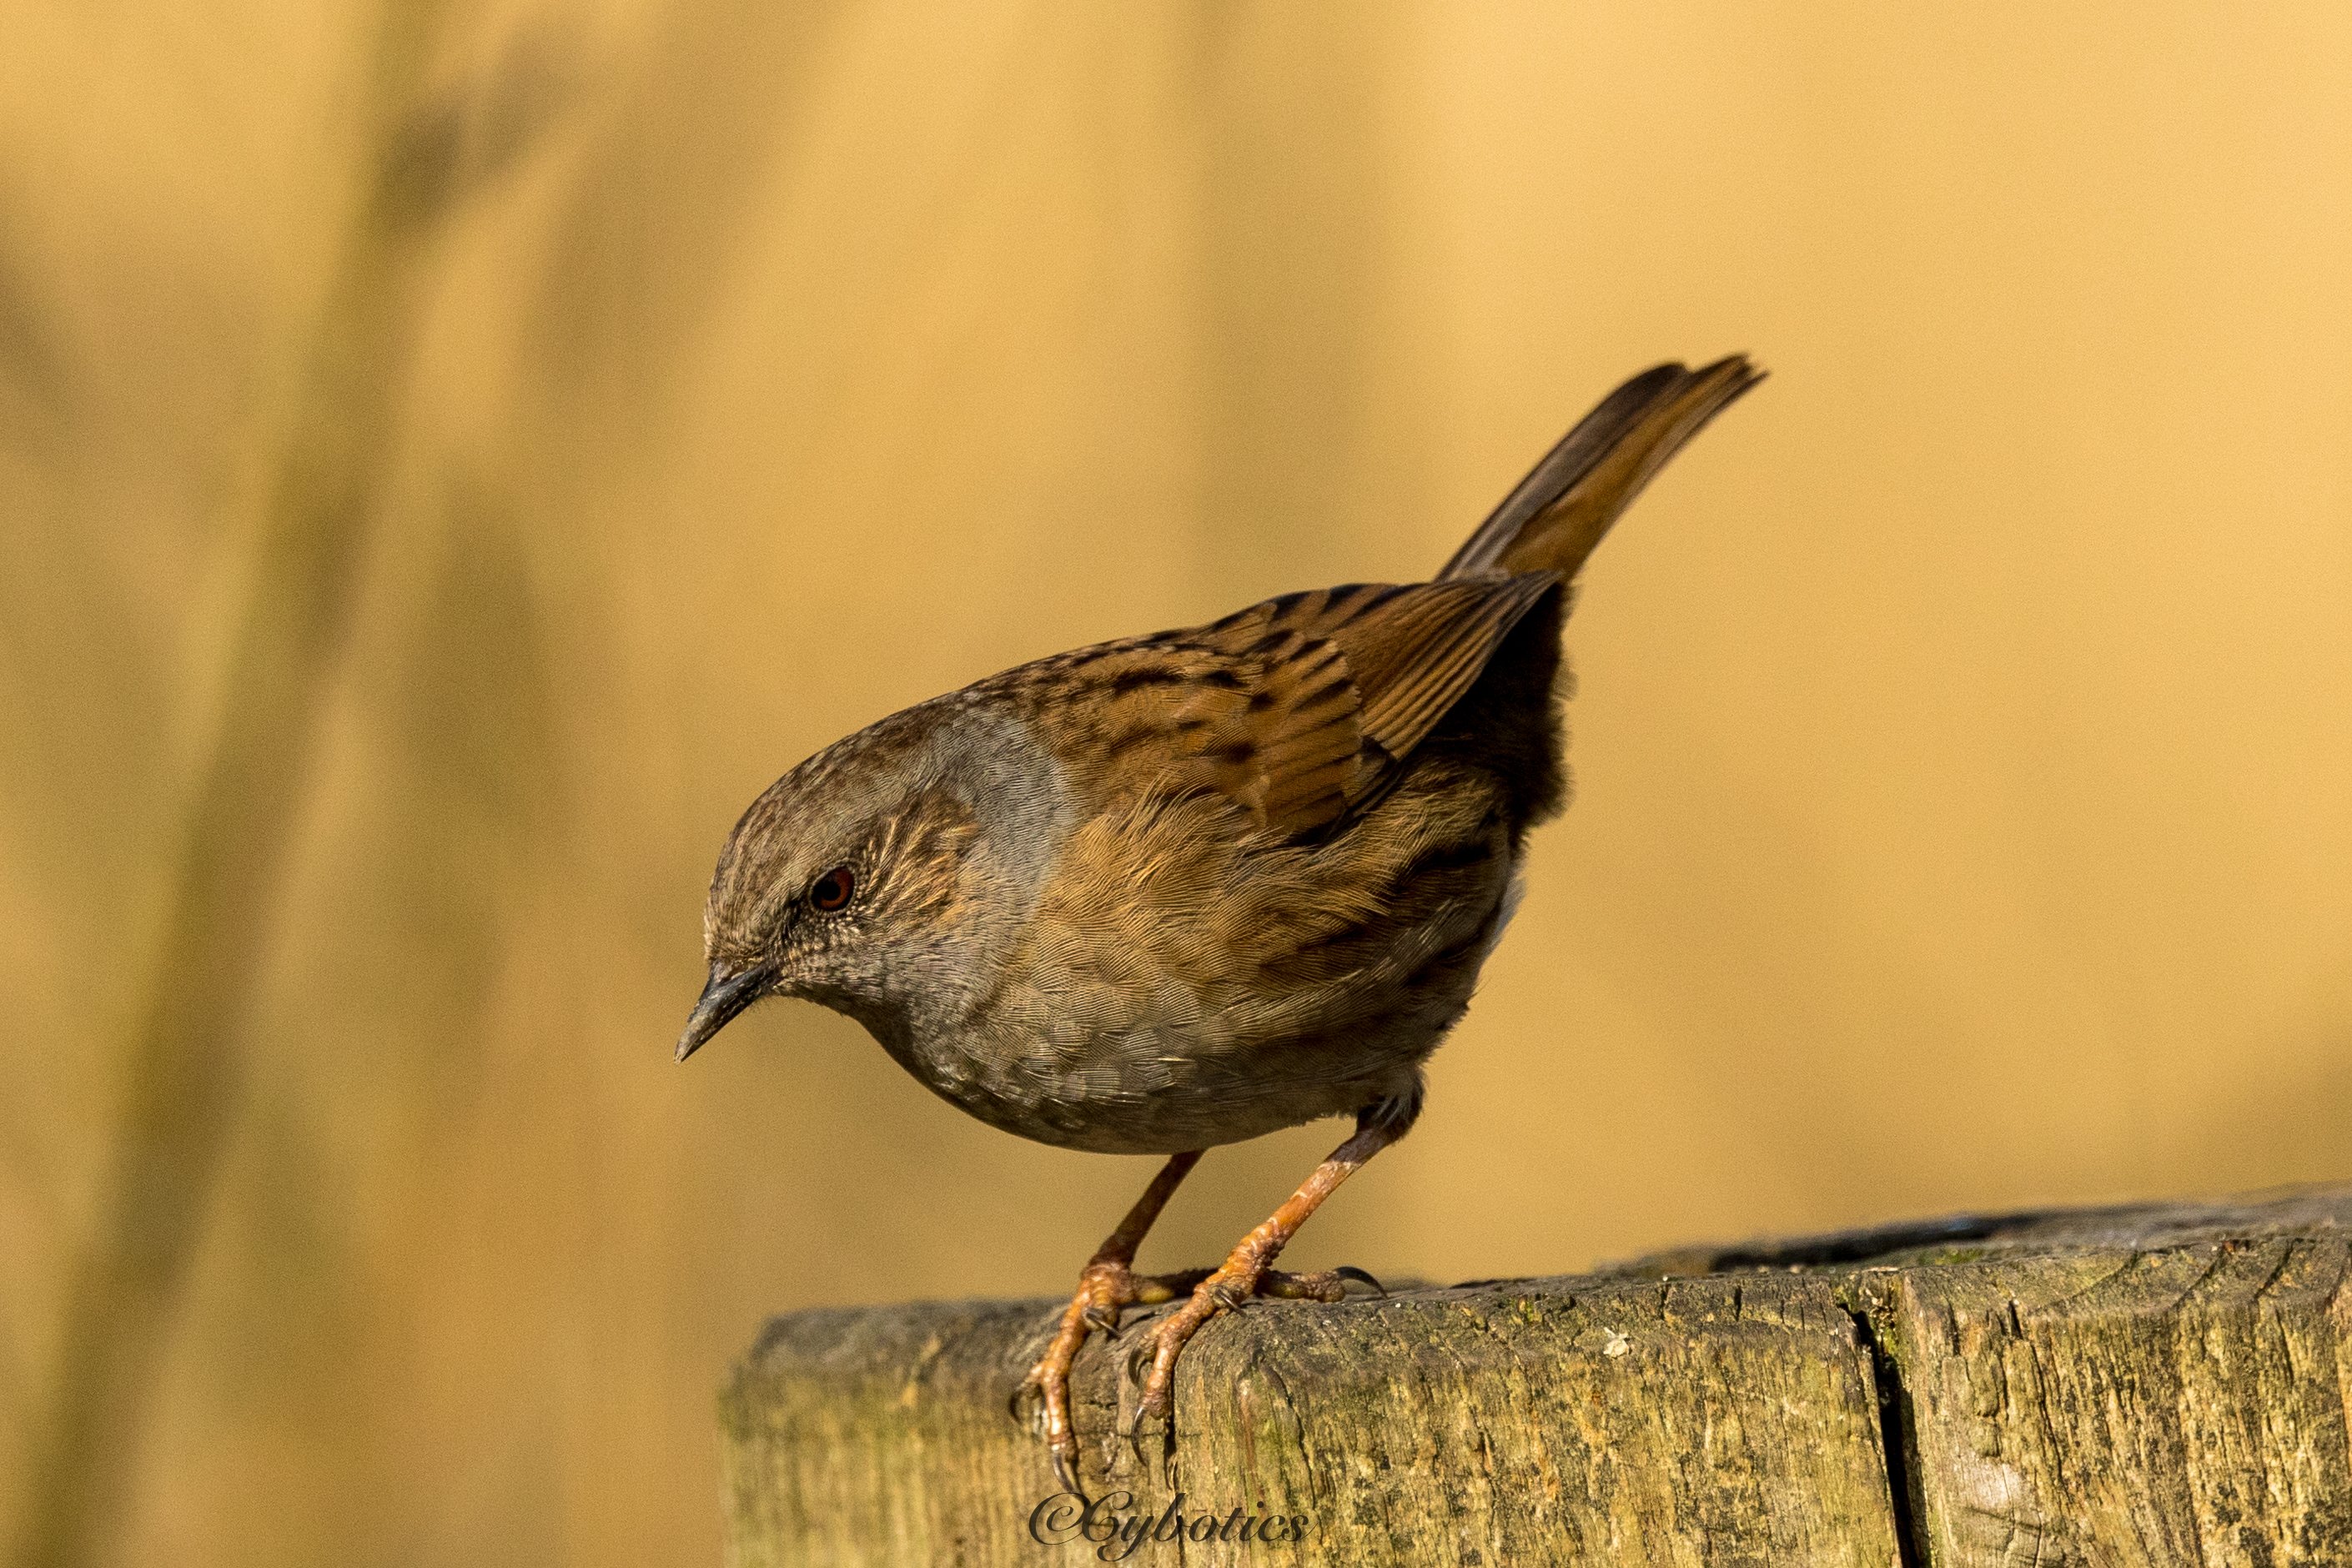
(1560, 511)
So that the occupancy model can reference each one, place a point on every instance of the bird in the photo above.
(1174, 891)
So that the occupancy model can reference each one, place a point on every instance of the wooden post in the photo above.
(2151, 1385)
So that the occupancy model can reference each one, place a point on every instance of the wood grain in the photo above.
(2151, 1385)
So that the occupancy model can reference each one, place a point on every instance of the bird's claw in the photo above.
(1349, 1271)
(1065, 1455)
(1031, 1405)
(1138, 1355)
(1150, 1422)
(1156, 1413)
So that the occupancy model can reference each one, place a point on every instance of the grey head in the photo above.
(889, 877)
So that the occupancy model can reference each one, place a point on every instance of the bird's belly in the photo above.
(1157, 1086)
(1166, 1121)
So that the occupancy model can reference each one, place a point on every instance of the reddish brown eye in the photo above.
(833, 890)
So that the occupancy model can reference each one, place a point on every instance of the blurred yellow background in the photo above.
(1963, 749)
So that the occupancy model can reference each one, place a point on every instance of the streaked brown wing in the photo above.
(1292, 750)
(1299, 707)
(1410, 651)
(1274, 728)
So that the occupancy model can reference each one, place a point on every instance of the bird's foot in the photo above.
(1106, 1289)
(1223, 1290)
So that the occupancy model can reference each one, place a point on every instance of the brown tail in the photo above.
(1559, 512)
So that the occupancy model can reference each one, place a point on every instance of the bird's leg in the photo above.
(1106, 1285)
(1246, 1270)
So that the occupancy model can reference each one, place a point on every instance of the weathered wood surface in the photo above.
(2149, 1385)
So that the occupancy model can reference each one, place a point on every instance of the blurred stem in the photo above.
(184, 1057)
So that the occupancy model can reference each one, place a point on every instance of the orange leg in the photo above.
(1247, 1271)
(1107, 1284)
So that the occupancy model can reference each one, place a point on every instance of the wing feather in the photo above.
(1298, 709)
(1410, 650)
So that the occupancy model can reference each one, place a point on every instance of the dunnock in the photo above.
(1182, 889)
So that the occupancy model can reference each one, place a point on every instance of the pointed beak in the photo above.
(726, 995)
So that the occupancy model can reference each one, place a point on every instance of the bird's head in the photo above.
(870, 878)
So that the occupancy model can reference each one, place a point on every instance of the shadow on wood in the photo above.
(2155, 1384)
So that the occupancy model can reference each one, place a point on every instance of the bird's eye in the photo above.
(832, 891)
